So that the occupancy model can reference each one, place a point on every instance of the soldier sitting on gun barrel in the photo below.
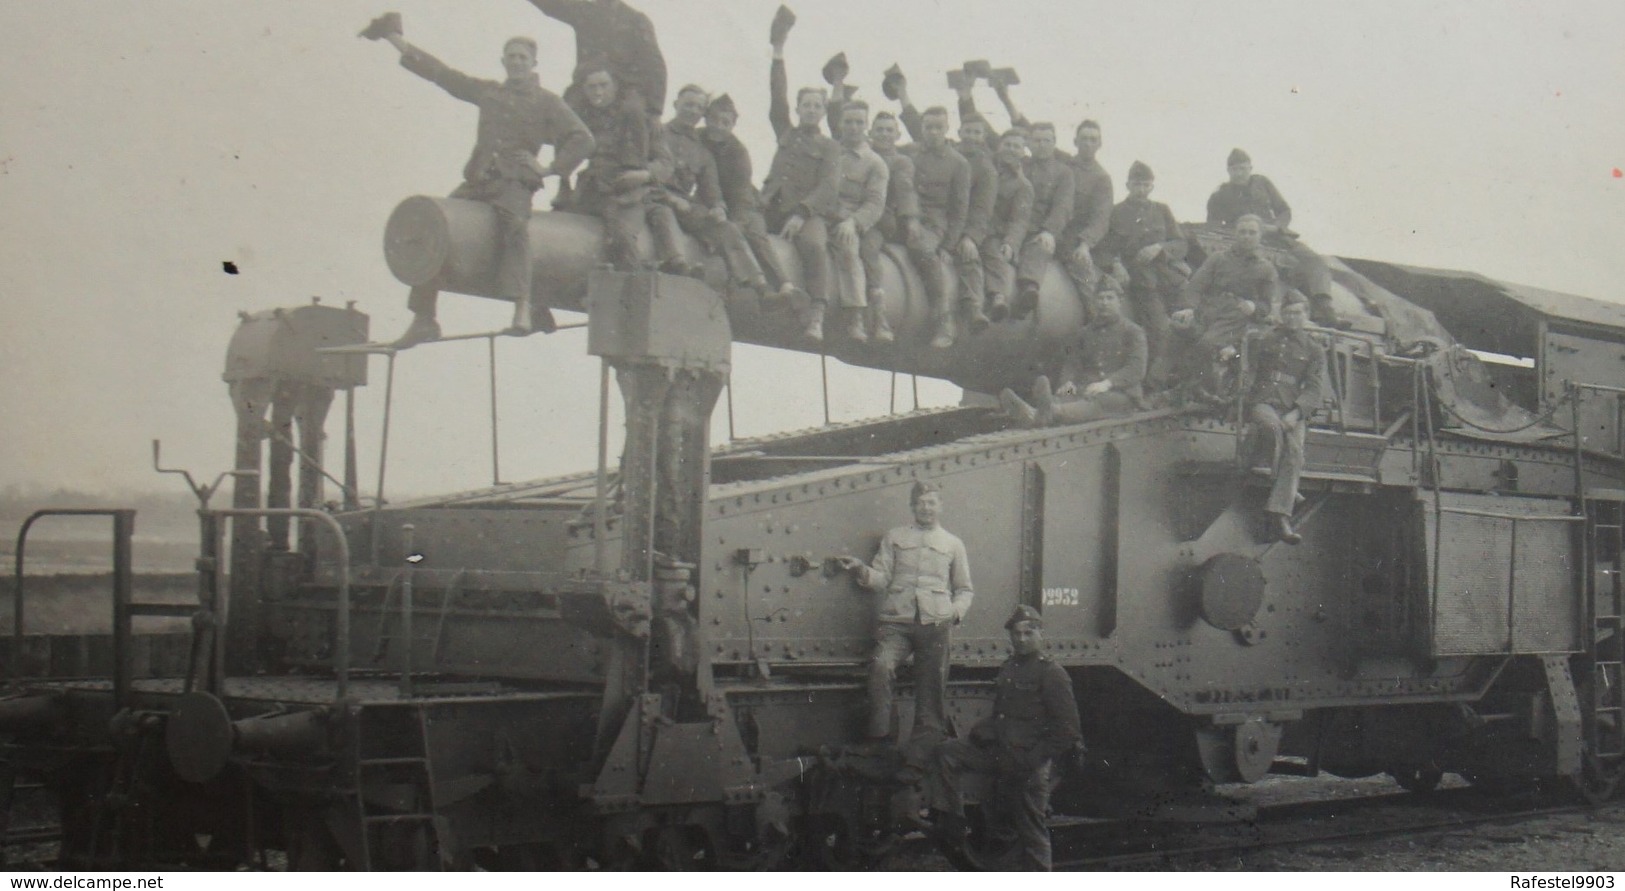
(517, 117)
(693, 193)
(1103, 376)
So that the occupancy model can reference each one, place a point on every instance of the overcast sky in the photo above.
(142, 144)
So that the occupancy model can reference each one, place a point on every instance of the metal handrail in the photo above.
(341, 647)
(123, 529)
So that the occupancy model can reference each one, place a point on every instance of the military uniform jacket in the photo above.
(1110, 351)
(862, 191)
(1053, 194)
(804, 174)
(1137, 224)
(984, 192)
(902, 202)
(1012, 205)
(1291, 372)
(694, 170)
(1259, 196)
(620, 36)
(733, 171)
(942, 183)
(620, 145)
(923, 574)
(1035, 716)
(517, 118)
(1091, 203)
(1244, 274)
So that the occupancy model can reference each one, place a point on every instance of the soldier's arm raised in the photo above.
(437, 72)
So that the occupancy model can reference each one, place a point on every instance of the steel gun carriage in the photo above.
(658, 662)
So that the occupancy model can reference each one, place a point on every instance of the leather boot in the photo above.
(1017, 410)
(1281, 525)
(945, 331)
(521, 318)
(1026, 302)
(879, 327)
(855, 328)
(1043, 400)
(815, 322)
(976, 320)
(422, 330)
(998, 308)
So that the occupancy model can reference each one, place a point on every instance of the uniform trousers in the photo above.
(1284, 433)
(869, 248)
(1110, 404)
(812, 246)
(1034, 262)
(925, 250)
(719, 235)
(753, 227)
(894, 641)
(998, 274)
(851, 279)
(1016, 807)
(511, 200)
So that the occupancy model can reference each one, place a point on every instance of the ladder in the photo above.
(1606, 727)
(395, 790)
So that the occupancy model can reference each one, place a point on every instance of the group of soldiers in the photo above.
(991, 210)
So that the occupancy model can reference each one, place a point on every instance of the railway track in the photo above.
(1137, 845)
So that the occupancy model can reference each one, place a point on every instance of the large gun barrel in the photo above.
(451, 244)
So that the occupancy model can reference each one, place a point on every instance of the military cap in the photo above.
(1024, 613)
(836, 69)
(1108, 283)
(1237, 156)
(385, 25)
(891, 81)
(973, 117)
(724, 102)
(1294, 297)
(783, 21)
(1139, 170)
(921, 489)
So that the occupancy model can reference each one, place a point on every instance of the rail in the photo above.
(341, 646)
(123, 585)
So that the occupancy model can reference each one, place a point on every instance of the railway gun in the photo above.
(658, 662)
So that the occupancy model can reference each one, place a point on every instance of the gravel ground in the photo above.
(1589, 841)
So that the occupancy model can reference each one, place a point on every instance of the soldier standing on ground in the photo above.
(517, 117)
(1035, 721)
(1288, 390)
(801, 188)
(923, 575)
(1103, 376)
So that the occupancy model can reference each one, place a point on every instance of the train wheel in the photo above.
(1418, 779)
